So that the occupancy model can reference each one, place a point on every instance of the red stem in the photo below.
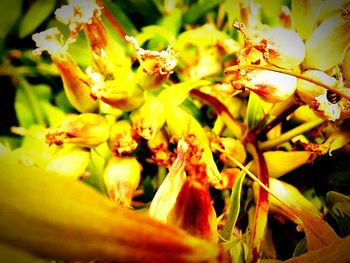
(261, 212)
(112, 20)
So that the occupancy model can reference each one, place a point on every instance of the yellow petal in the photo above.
(327, 45)
(57, 218)
(281, 162)
(305, 13)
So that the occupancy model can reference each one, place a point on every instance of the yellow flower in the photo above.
(271, 86)
(76, 83)
(122, 176)
(121, 93)
(86, 129)
(185, 202)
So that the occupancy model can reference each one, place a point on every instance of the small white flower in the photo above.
(330, 110)
(78, 12)
(50, 40)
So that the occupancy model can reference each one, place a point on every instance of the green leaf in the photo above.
(121, 17)
(23, 113)
(42, 91)
(53, 115)
(255, 110)
(37, 13)
(176, 94)
(300, 248)
(235, 206)
(148, 189)
(9, 13)
(199, 9)
(339, 208)
(172, 23)
(62, 102)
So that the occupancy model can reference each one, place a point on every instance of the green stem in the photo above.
(290, 134)
(33, 100)
(8, 70)
(292, 73)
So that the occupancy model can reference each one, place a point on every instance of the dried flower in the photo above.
(121, 93)
(149, 118)
(86, 129)
(155, 66)
(108, 56)
(122, 176)
(158, 145)
(121, 141)
(186, 202)
(279, 46)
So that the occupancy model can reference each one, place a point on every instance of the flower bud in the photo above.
(271, 86)
(149, 118)
(121, 141)
(122, 176)
(166, 195)
(70, 161)
(308, 91)
(86, 129)
(274, 159)
(285, 47)
(327, 45)
(76, 83)
(155, 67)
